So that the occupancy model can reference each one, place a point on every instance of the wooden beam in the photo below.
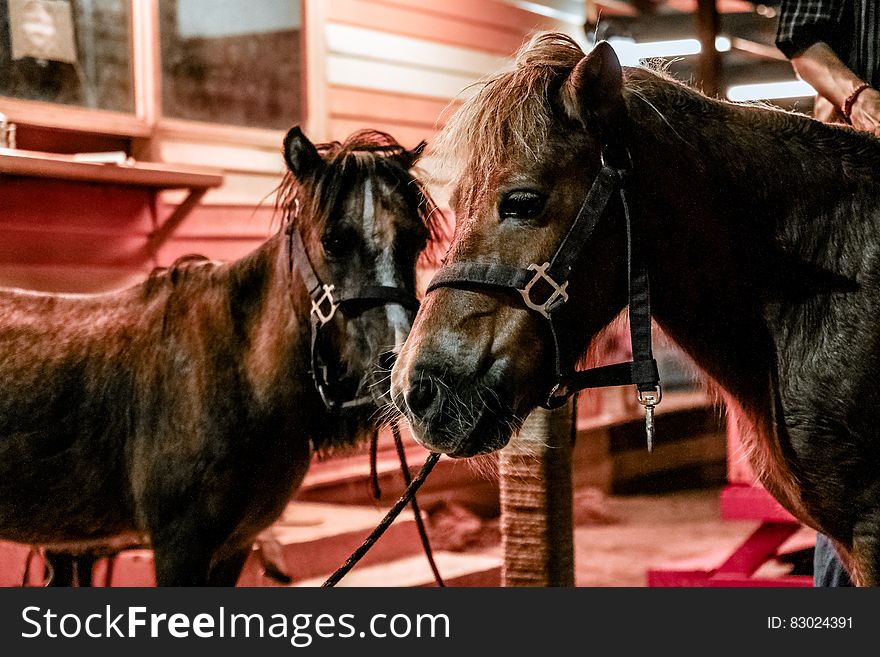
(536, 501)
(709, 66)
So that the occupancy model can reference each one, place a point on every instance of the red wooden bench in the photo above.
(743, 500)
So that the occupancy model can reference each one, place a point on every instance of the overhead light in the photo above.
(631, 53)
(770, 91)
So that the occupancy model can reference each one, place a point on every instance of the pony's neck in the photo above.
(274, 308)
(270, 312)
(778, 179)
(742, 199)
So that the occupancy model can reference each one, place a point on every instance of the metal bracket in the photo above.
(559, 292)
(326, 298)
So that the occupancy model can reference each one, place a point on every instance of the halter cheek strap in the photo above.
(326, 300)
(554, 276)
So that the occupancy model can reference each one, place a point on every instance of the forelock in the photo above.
(513, 113)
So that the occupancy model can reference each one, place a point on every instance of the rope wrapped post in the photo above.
(537, 532)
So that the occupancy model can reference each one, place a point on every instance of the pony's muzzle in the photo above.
(459, 417)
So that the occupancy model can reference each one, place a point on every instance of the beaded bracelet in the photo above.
(847, 106)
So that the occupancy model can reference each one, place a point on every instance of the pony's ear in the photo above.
(300, 154)
(594, 86)
(410, 157)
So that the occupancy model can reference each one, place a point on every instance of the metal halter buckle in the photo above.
(558, 290)
(327, 297)
(627, 165)
(557, 397)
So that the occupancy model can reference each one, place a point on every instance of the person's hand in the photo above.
(865, 113)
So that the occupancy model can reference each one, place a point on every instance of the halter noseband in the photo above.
(642, 369)
(326, 300)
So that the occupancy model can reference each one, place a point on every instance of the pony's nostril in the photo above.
(421, 396)
(387, 360)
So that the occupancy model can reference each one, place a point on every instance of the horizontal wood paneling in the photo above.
(30, 204)
(77, 237)
(228, 221)
(243, 189)
(402, 109)
(231, 158)
(24, 247)
(403, 66)
(415, 22)
(223, 233)
(407, 135)
(401, 78)
(495, 14)
(373, 45)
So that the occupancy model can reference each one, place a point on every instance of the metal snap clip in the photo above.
(649, 399)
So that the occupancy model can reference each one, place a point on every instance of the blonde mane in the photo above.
(513, 109)
(516, 111)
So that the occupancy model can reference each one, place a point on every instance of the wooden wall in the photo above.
(394, 65)
(397, 64)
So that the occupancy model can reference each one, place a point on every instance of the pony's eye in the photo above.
(521, 204)
(336, 243)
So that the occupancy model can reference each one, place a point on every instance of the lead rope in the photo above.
(376, 491)
(374, 470)
(420, 523)
(393, 512)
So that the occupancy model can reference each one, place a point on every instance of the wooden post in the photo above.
(536, 505)
(709, 64)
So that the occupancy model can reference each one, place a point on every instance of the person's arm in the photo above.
(833, 80)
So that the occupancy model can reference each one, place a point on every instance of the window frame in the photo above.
(147, 122)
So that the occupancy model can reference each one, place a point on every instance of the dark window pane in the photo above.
(40, 59)
(233, 62)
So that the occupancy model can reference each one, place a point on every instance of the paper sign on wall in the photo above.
(42, 29)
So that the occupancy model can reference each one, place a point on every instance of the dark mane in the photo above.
(652, 96)
(364, 155)
(173, 273)
(755, 153)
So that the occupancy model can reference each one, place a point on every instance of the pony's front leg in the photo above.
(184, 547)
(181, 563)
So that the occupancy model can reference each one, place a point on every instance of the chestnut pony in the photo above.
(760, 231)
(184, 410)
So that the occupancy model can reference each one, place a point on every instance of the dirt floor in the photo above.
(619, 538)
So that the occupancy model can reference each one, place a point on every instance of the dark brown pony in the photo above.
(182, 410)
(761, 236)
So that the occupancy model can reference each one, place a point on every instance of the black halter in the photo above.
(326, 300)
(642, 370)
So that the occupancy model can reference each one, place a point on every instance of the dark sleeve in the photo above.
(805, 22)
